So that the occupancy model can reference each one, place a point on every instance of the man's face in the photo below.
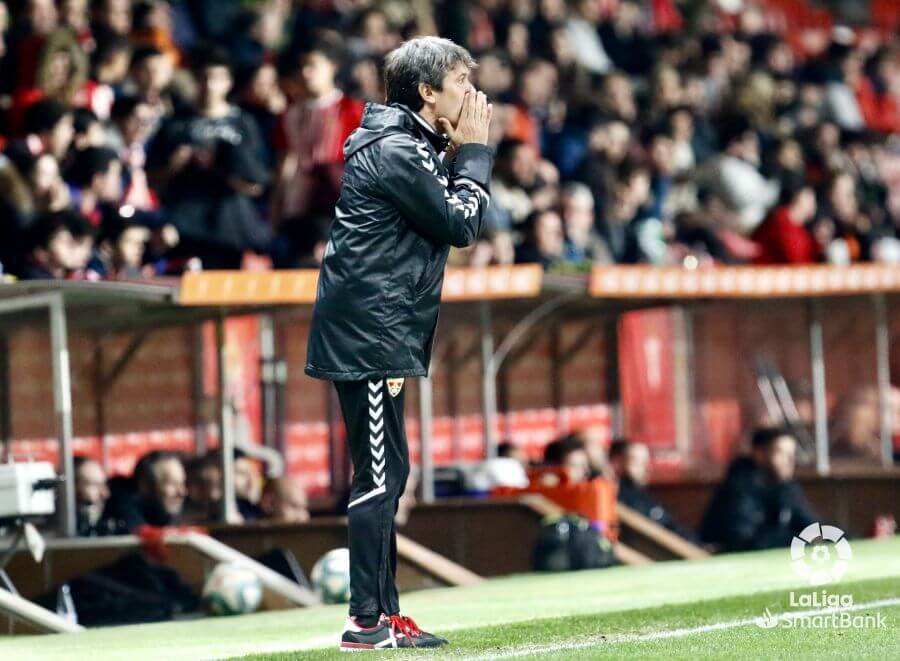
(137, 127)
(578, 213)
(662, 154)
(246, 479)
(64, 250)
(549, 234)
(524, 165)
(494, 76)
(781, 458)
(154, 74)
(108, 185)
(42, 15)
(637, 463)
(45, 174)
(170, 486)
(216, 84)
(61, 137)
(90, 485)
(618, 138)
(448, 101)
(318, 74)
(577, 466)
(291, 504)
(131, 246)
(117, 15)
(843, 197)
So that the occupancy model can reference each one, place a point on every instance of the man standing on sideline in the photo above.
(401, 207)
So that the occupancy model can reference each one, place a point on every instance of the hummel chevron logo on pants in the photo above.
(377, 438)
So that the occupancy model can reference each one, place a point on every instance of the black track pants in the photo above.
(374, 420)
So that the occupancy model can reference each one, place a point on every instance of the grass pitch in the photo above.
(698, 609)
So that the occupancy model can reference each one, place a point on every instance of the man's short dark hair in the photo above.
(88, 163)
(145, 468)
(144, 53)
(763, 438)
(43, 115)
(555, 453)
(618, 448)
(47, 225)
(506, 449)
(124, 106)
(421, 60)
(209, 57)
(326, 47)
(82, 119)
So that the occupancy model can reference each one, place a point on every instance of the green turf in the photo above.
(503, 615)
(613, 635)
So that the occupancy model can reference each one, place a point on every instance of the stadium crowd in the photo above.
(149, 137)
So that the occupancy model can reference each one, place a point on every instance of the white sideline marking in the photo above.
(672, 633)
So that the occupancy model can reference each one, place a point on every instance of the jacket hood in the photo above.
(380, 121)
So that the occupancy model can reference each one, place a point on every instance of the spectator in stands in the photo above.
(544, 240)
(783, 238)
(631, 464)
(758, 505)
(157, 495)
(515, 178)
(87, 131)
(210, 164)
(284, 500)
(131, 124)
(56, 247)
(608, 144)
(49, 129)
(622, 214)
(48, 190)
(121, 248)
(312, 136)
(735, 178)
(260, 96)
(732, 111)
(585, 37)
(582, 242)
(91, 494)
(96, 177)
(150, 81)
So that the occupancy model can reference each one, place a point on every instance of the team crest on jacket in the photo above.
(394, 386)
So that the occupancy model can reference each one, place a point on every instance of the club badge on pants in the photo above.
(394, 386)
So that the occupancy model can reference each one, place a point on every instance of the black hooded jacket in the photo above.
(750, 510)
(400, 210)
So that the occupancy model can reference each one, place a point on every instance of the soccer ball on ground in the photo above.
(232, 589)
(331, 576)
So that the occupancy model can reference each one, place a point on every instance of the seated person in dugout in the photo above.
(155, 495)
(91, 496)
(205, 492)
(570, 455)
(631, 464)
(758, 505)
(284, 500)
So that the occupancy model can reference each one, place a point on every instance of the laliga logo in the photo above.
(824, 561)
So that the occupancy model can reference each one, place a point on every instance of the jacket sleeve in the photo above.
(446, 210)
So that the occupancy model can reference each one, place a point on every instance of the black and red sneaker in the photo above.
(391, 632)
